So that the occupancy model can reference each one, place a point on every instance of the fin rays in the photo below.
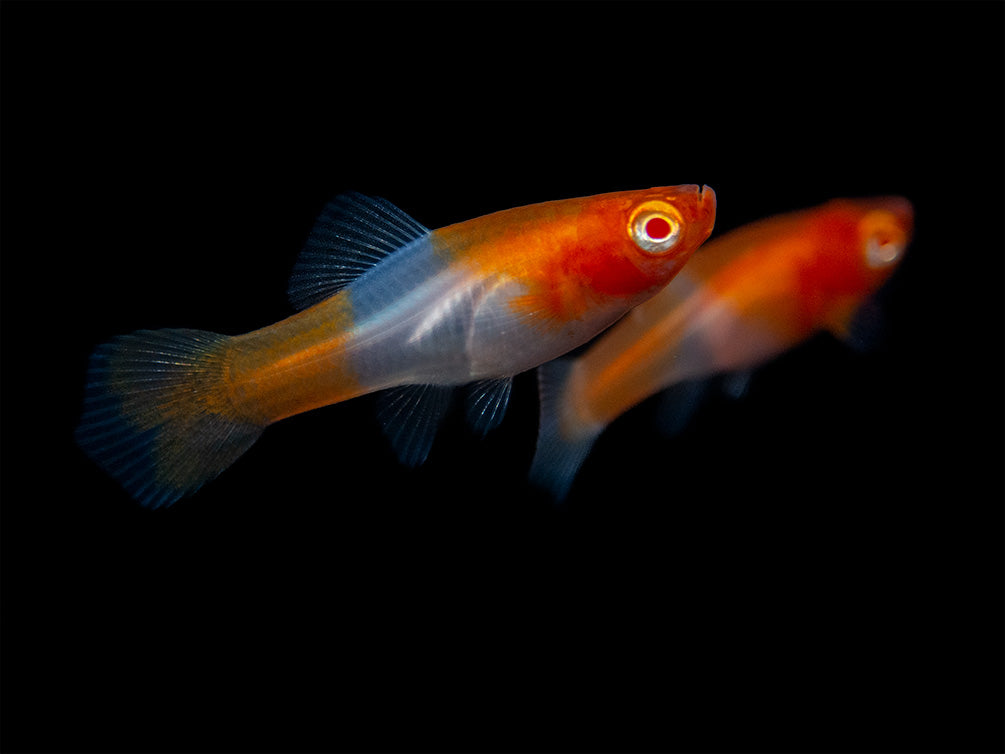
(485, 403)
(410, 416)
(156, 414)
(557, 457)
(353, 234)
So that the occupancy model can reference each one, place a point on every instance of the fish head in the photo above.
(861, 242)
(632, 243)
(884, 230)
(581, 264)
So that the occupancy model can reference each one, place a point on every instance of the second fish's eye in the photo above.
(884, 240)
(882, 251)
(655, 227)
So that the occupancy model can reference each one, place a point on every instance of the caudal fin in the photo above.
(561, 448)
(157, 415)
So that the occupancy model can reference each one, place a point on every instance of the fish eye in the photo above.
(655, 227)
(882, 252)
(884, 242)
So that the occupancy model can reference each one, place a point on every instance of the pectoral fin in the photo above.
(866, 329)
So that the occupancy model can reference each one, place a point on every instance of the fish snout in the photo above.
(902, 210)
(706, 202)
(704, 213)
(706, 197)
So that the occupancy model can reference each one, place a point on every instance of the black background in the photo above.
(817, 566)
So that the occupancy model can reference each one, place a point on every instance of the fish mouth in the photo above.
(706, 197)
(902, 209)
(706, 206)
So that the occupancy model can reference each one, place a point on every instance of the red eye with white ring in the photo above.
(655, 227)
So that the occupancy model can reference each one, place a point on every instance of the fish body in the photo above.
(743, 299)
(386, 303)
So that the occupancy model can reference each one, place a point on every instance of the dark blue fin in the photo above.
(485, 403)
(736, 384)
(558, 455)
(353, 233)
(868, 329)
(677, 404)
(410, 416)
(157, 413)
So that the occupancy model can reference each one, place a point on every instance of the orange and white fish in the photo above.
(387, 303)
(743, 299)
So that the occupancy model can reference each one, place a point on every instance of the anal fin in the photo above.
(410, 416)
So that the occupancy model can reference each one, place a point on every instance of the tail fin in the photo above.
(561, 449)
(157, 415)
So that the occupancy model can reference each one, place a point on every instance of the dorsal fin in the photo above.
(353, 233)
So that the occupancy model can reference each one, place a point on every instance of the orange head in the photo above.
(608, 251)
(859, 243)
(590, 258)
(633, 242)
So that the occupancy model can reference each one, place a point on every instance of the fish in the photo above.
(743, 299)
(386, 305)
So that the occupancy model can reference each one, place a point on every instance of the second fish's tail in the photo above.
(157, 413)
(562, 444)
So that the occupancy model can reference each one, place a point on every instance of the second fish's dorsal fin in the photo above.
(353, 233)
